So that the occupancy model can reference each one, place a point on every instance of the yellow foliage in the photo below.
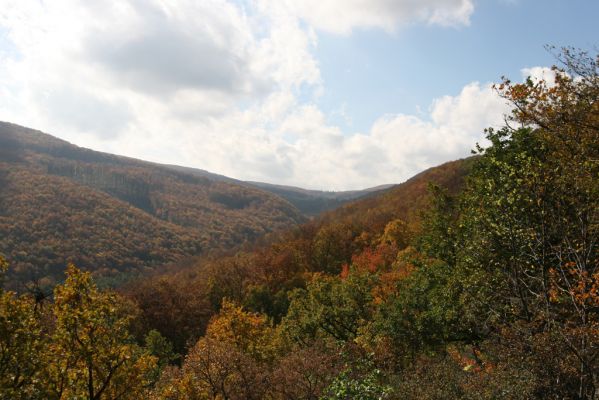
(251, 333)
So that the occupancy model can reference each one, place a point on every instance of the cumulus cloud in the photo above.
(302, 149)
(537, 74)
(166, 47)
(456, 123)
(202, 57)
(225, 88)
(342, 16)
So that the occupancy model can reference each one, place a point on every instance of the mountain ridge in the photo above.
(61, 203)
(309, 202)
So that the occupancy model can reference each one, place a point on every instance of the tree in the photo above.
(232, 360)
(160, 347)
(329, 307)
(178, 309)
(303, 373)
(359, 380)
(333, 246)
(439, 238)
(397, 232)
(92, 352)
(518, 262)
(530, 214)
(22, 348)
(427, 308)
(219, 370)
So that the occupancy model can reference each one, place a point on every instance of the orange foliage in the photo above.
(375, 259)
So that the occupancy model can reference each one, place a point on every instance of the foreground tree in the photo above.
(515, 293)
(78, 347)
(232, 361)
(329, 308)
(360, 380)
(22, 348)
(92, 352)
(531, 219)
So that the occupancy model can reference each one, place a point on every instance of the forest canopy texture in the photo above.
(491, 291)
(115, 216)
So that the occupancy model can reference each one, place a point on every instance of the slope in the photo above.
(263, 278)
(309, 202)
(112, 214)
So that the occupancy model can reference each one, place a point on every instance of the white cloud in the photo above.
(302, 149)
(180, 59)
(537, 74)
(342, 16)
(212, 85)
(456, 124)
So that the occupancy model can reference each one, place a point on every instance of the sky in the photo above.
(322, 94)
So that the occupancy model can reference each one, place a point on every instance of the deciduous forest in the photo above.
(477, 279)
(115, 216)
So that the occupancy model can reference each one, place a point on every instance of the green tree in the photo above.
(333, 246)
(434, 305)
(439, 237)
(360, 380)
(160, 347)
(520, 245)
(329, 307)
(530, 215)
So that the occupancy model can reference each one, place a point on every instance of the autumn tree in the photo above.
(232, 361)
(92, 354)
(22, 348)
(333, 246)
(303, 373)
(176, 308)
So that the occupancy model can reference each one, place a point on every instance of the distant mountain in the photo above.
(114, 215)
(314, 202)
(406, 200)
(309, 202)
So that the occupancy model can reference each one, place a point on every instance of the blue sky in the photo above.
(328, 94)
(373, 72)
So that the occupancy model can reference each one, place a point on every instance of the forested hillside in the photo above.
(477, 279)
(60, 203)
(180, 305)
(309, 202)
(314, 202)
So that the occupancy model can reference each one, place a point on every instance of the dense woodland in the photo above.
(315, 202)
(309, 202)
(115, 216)
(487, 288)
